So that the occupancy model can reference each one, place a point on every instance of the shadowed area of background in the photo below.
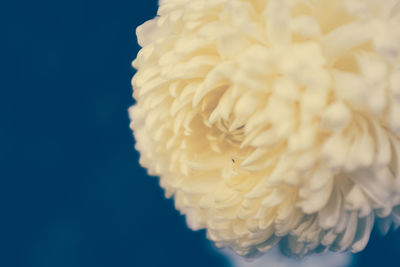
(72, 192)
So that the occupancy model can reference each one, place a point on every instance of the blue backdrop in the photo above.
(72, 192)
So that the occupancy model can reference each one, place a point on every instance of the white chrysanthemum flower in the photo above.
(273, 120)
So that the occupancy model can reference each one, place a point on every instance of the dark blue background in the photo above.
(72, 192)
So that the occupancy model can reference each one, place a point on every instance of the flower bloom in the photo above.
(273, 121)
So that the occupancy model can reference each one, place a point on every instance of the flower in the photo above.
(273, 121)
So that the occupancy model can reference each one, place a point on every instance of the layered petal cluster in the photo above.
(273, 121)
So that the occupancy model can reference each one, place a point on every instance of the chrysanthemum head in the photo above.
(273, 120)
